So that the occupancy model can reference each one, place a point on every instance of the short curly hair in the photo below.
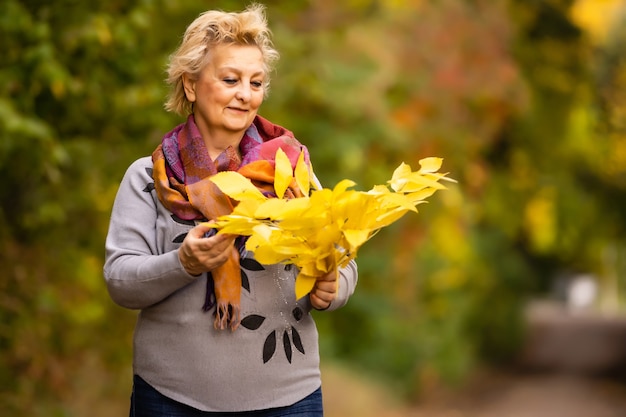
(210, 29)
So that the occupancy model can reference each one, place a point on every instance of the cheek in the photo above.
(219, 96)
(212, 93)
(258, 100)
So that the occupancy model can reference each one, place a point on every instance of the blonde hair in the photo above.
(210, 29)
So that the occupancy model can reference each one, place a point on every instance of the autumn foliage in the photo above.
(523, 99)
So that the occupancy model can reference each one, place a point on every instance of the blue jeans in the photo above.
(146, 401)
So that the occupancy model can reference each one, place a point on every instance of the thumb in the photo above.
(204, 229)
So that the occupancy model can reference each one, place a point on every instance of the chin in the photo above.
(238, 128)
(240, 125)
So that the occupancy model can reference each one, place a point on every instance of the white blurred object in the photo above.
(582, 292)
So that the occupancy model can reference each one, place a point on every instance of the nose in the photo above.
(243, 93)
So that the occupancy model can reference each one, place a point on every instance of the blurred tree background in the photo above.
(524, 100)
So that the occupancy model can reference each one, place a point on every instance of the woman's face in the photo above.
(228, 91)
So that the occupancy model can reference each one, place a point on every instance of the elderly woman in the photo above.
(218, 333)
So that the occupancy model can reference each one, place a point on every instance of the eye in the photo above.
(230, 81)
(257, 84)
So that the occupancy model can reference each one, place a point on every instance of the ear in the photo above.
(189, 85)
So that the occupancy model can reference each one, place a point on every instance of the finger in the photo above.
(320, 303)
(201, 230)
(322, 298)
(220, 242)
(326, 286)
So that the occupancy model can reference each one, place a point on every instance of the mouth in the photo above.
(237, 109)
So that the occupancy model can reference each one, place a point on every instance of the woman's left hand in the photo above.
(324, 291)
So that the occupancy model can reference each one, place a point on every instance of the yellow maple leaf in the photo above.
(283, 173)
(431, 164)
(302, 176)
(304, 285)
(236, 186)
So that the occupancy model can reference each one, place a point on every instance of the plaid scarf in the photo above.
(182, 168)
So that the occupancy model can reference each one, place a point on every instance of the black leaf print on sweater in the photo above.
(251, 264)
(252, 322)
(297, 341)
(149, 186)
(183, 221)
(245, 282)
(297, 313)
(180, 238)
(287, 346)
(269, 347)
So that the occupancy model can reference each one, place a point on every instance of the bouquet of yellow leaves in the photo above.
(325, 228)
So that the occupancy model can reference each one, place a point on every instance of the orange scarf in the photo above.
(182, 171)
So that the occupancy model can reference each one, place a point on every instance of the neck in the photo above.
(217, 140)
(215, 146)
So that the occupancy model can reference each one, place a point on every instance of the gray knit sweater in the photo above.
(271, 360)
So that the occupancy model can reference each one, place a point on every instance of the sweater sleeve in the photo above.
(136, 273)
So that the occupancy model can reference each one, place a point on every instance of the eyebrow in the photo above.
(238, 70)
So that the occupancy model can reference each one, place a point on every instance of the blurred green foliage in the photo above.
(527, 114)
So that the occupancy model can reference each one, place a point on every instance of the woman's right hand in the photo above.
(200, 254)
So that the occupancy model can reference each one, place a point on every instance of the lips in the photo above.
(238, 109)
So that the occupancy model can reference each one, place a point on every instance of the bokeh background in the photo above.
(524, 99)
